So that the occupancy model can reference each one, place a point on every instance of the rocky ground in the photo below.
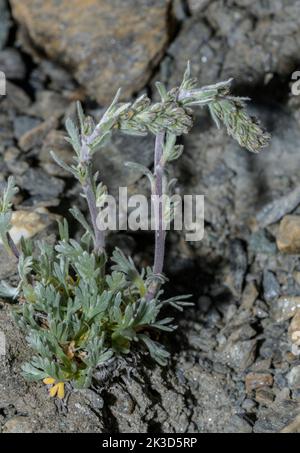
(236, 356)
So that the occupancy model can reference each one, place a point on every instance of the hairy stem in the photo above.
(160, 234)
(99, 243)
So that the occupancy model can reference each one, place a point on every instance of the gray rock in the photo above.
(18, 424)
(276, 209)
(108, 51)
(5, 23)
(47, 104)
(285, 307)
(271, 286)
(239, 355)
(262, 242)
(224, 40)
(196, 6)
(16, 100)
(238, 424)
(276, 417)
(39, 184)
(294, 377)
(238, 266)
(12, 64)
(23, 124)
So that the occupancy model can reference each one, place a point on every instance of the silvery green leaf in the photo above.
(162, 91)
(141, 169)
(81, 116)
(100, 141)
(8, 194)
(74, 136)
(77, 214)
(63, 165)
(157, 351)
(63, 229)
(8, 291)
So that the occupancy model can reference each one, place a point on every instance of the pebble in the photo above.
(261, 310)
(12, 64)
(40, 184)
(17, 424)
(48, 103)
(258, 380)
(262, 242)
(238, 266)
(288, 236)
(294, 329)
(249, 295)
(25, 224)
(239, 355)
(285, 307)
(5, 23)
(248, 405)
(16, 99)
(293, 427)
(196, 6)
(24, 123)
(275, 210)
(293, 377)
(35, 136)
(237, 424)
(264, 396)
(270, 286)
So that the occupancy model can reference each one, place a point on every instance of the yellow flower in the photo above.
(48, 381)
(56, 390)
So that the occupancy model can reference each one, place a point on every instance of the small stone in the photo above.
(16, 98)
(277, 415)
(261, 365)
(12, 64)
(249, 295)
(238, 424)
(238, 356)
(17, 424)
(5, 23)
(288, 236)
(258, 380)
(11, 154)
(293, 427)
(271, 286)
(238, 266)
(261, 310)
(25, 224)
(15, 164)
(285, 307)
(48, 103)
(35, 136)
(294, 329)
(102, 49)
(248, 405)
(197, 5)
(275, 210)
(264, 396)
(262, 242)
(40, 184)
(24, 123)
(294, 377)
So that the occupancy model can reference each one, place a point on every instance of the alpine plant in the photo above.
(79, 309)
